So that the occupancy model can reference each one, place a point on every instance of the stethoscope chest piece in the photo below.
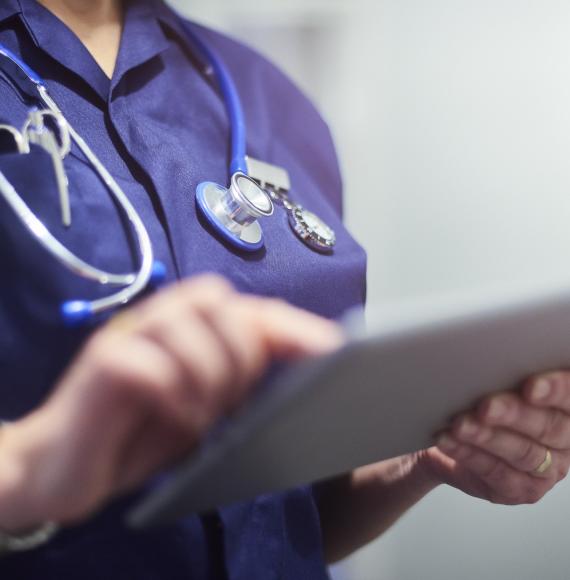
(312, 229)
(233, 212)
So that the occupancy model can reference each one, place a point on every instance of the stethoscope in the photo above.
(233, 211)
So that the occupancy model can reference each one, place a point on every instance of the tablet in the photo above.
(386, 393)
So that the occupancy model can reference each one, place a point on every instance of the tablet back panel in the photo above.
(380, 397)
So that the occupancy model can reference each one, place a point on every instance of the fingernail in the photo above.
(446, 443)
(468, 429)
(541, 389)
(496, 409)
(330, 339)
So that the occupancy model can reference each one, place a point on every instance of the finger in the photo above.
(252, 331)
(503, 483)
(290, 332)
(213, 336)
(203, 356)
(111, 388)
(287, 331)
(243, 345)
(213, 299)
(170, 303)
(550, 427)
(519, 452)
(135, 371)
(175, 321)
(549, 390)
(204, 289)
(256, 330)
(182, 296)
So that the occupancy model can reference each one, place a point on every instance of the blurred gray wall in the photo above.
(452, 119)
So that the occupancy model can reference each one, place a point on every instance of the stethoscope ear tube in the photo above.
(146, 254)
(231, 99)
(79, 312)
(44, 237)
(29, 73)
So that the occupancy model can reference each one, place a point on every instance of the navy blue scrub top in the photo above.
(160, 128)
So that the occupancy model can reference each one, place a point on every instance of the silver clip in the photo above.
(58, 146)
(267, 175)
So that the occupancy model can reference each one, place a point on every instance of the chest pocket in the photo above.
(34, 343)
(97, 234)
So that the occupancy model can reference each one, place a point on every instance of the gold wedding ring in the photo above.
(545, 465)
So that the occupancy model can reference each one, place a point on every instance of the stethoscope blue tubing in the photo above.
(29, 72)
(232, 102)
(226, 84)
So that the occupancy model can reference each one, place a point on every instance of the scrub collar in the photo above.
(143, 39)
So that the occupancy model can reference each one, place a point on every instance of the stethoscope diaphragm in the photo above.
(233, 212)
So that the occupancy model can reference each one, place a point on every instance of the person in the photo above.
(92, 413)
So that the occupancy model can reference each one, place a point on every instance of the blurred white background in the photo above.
(452, 120)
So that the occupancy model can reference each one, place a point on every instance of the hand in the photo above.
(142, 393)
(494, 451)
(491, 452)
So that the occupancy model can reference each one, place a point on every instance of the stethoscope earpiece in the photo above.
(76, 313)
(158, 274)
